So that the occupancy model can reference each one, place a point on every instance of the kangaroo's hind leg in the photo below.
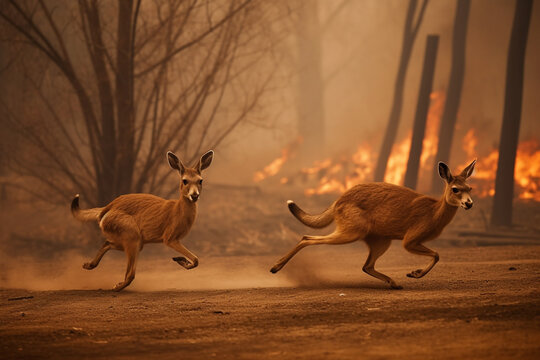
(377, 247)
(122, 232)
(335, 238)
(132, 252)
(95, 261)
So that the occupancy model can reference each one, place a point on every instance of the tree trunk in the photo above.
(428, 70)
(310, 105)
(124, 105)
(453, 98)
(409, 36)
(504, 182)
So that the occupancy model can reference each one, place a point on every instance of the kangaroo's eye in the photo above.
(455, 190)
(200, 182)
(184, 182)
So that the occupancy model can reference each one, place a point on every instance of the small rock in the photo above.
(23, 314)
(342, 294)
(511, 268)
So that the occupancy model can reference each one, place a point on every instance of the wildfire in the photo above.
(337, 174)
(526, 173)
(274, 167)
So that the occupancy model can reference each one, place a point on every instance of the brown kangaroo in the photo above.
(379, 213)
(130, 221)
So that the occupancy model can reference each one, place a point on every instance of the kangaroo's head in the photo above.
(191, 177)
(457, 192)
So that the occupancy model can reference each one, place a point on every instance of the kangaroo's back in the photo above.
(378, 197)
(388, 209)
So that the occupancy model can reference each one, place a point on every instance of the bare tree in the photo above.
(118, 84)
(504, 182)
(409, 36)
(453, 97)
(422, 107)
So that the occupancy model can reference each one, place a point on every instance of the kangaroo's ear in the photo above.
(175, 163)
(205, 160)
(469, 169)
(444, 172)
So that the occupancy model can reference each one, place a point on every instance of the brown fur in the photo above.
(379, 213)
(130, 221)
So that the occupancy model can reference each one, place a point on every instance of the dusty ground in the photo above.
(481, 303)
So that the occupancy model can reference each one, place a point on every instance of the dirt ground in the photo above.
(477, 303)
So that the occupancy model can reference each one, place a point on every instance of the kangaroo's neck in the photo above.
(188, 209)
(444, 212)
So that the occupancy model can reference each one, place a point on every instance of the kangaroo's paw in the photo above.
(182, 261)
(88, 266)
(417, 274)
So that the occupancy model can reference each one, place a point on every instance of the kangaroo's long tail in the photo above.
(84, 215)
(314, 221)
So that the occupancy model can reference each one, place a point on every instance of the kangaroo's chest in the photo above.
(180, 226)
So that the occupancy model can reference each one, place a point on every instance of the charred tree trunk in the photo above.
(453, 98)
(310, 105)
(409, 36)
(413, 164)
(504, 182)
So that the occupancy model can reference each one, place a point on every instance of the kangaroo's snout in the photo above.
(467, 204)
(194, 197)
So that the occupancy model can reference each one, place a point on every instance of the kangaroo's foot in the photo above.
(185, 263)
(89, 266)
(123, 284)
(395, 286)
(417, 274)
(120, 286)
(278, 266)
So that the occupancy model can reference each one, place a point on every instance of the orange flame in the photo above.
(275, 166)
(336, 175)
(397, 162)
(526, 173)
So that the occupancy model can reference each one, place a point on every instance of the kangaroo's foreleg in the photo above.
(419, 249)
(95, 261)
(192, 260)
(336, 238)
(376, 249)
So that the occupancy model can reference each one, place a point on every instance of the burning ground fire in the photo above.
(526, 173)
(275, 166)
(337, 174)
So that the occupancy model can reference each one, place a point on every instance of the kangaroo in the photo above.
(380, 212)
(132, 220)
